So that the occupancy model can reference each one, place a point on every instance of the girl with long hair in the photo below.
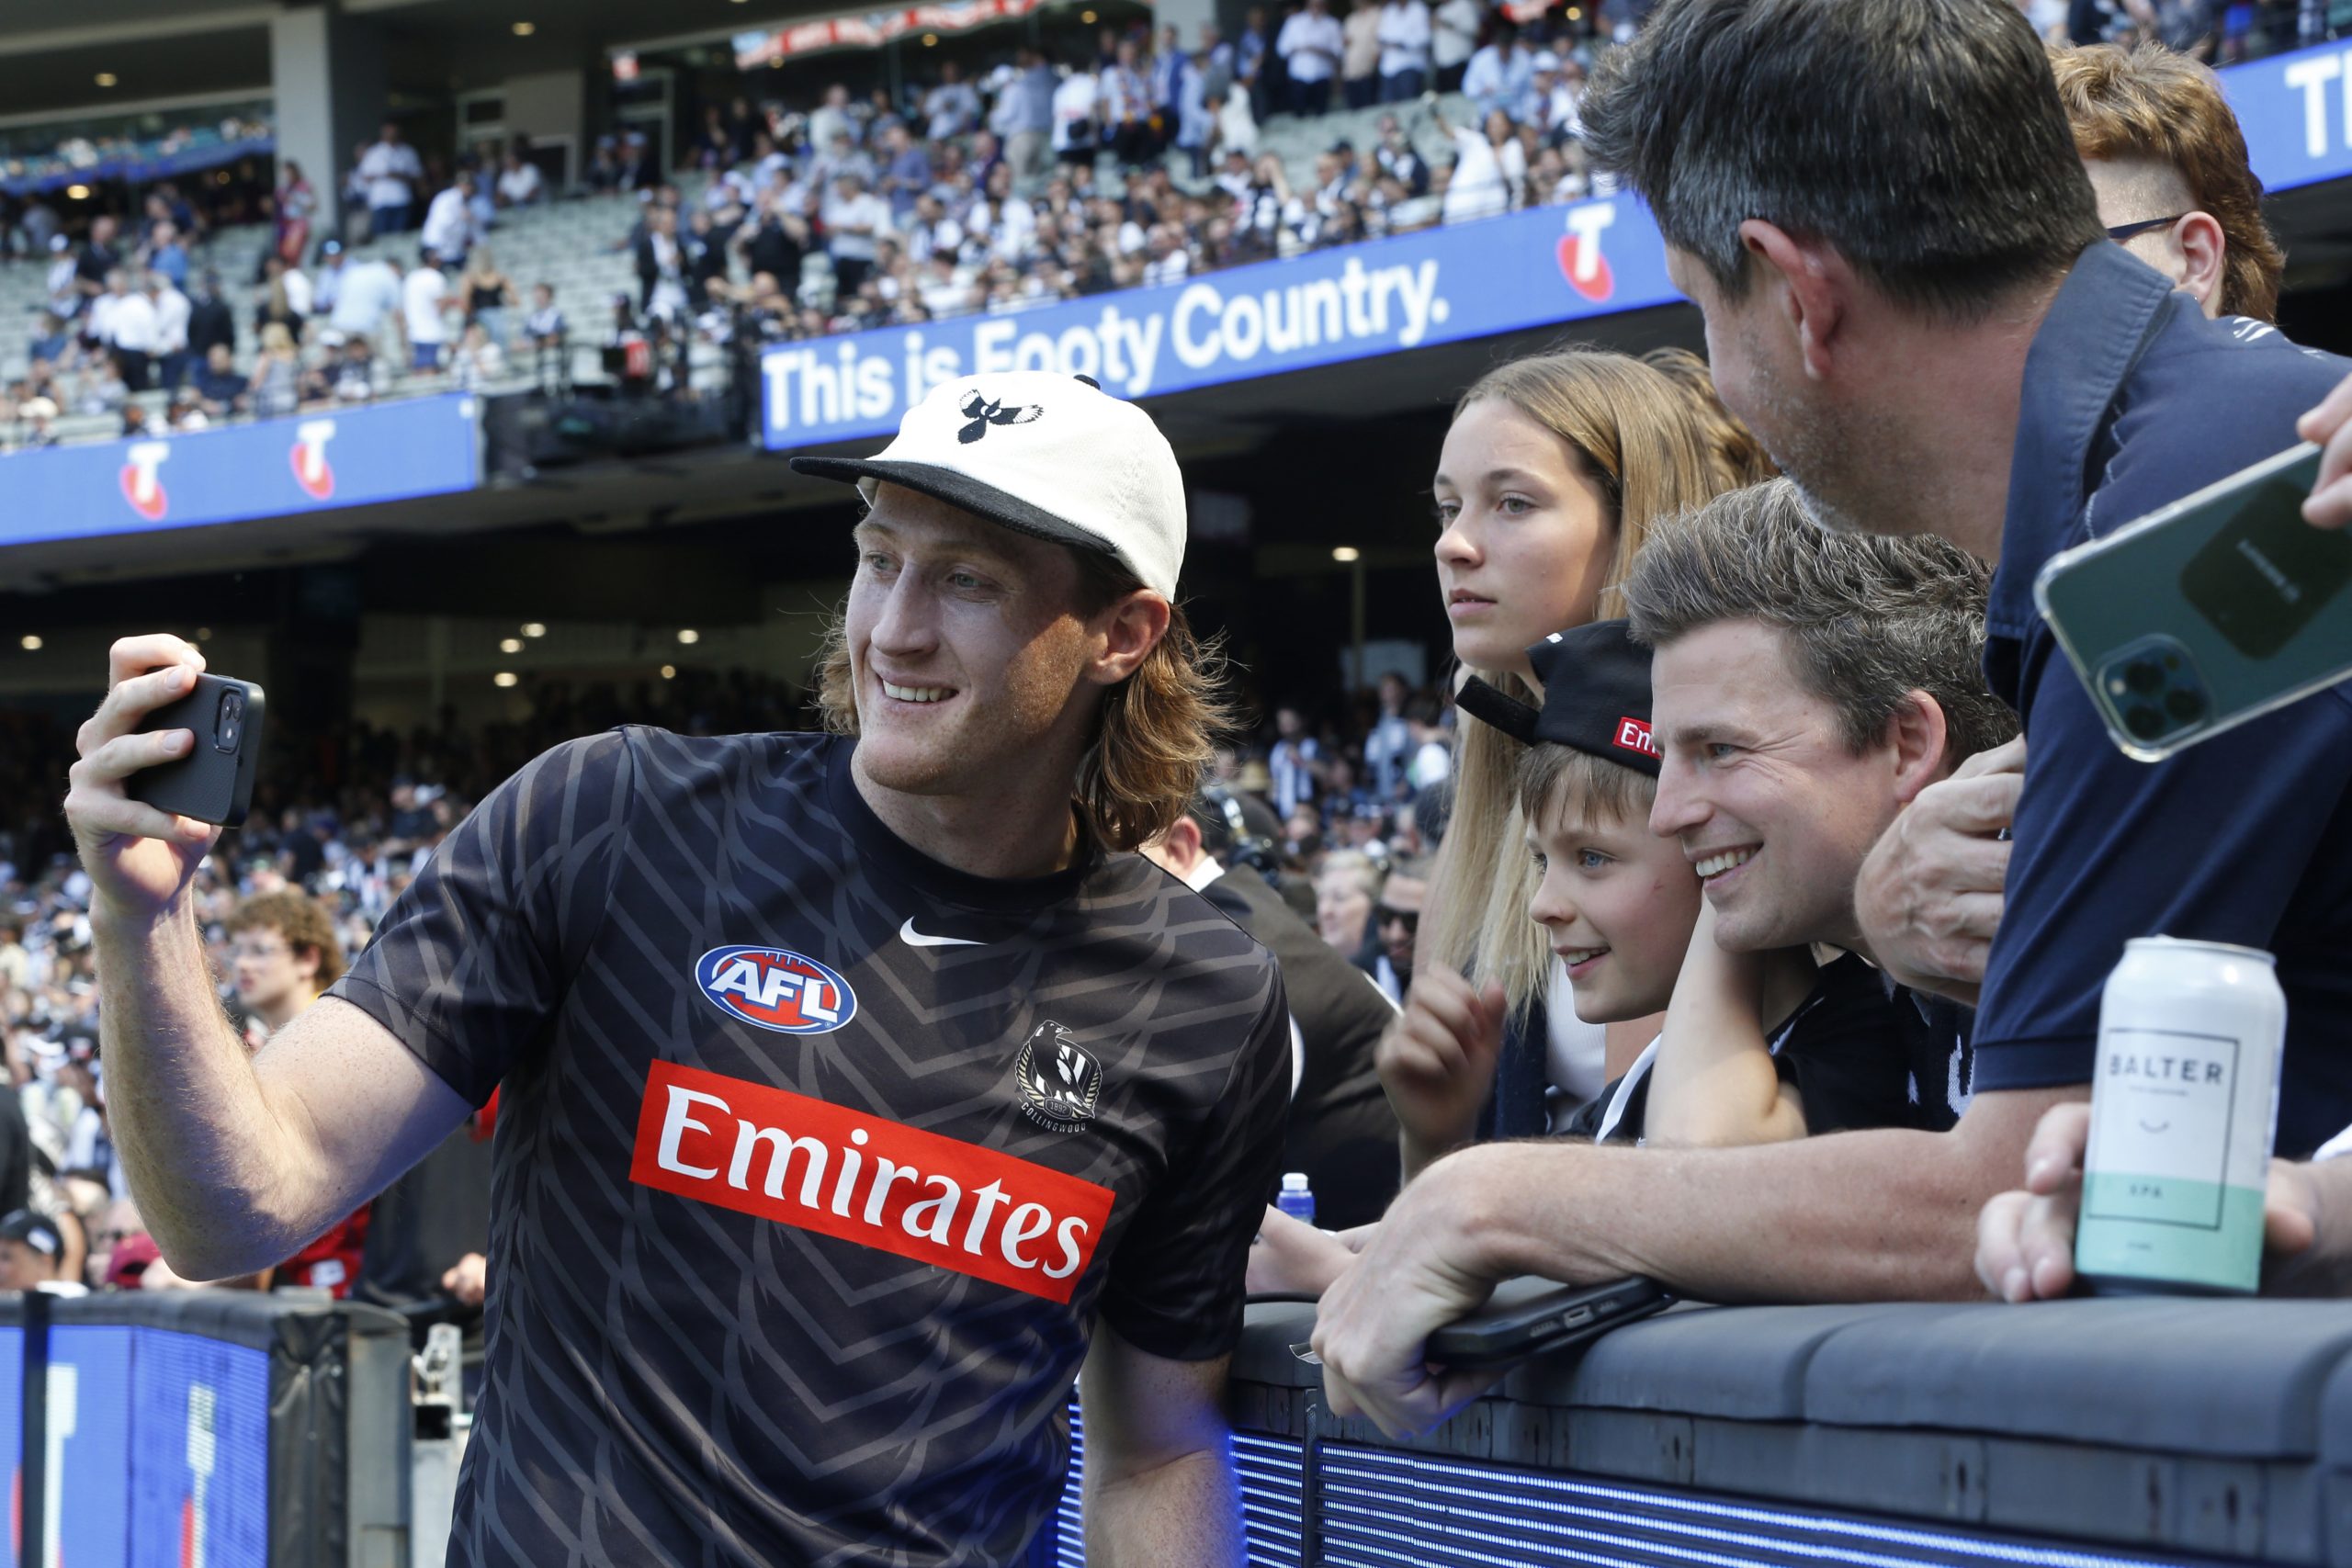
(1554, 471)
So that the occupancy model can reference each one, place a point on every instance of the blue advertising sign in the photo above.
(344, 457)
(1530, 269)
(200, 1452)
(2296, 111)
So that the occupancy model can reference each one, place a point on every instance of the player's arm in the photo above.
(1159, 1481)
(236, 1161)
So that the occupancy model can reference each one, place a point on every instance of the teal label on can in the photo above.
(2173, 1189)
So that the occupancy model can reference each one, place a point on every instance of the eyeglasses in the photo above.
(2122, 232)
(258, 950)
(1386, 914)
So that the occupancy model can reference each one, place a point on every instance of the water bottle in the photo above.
(1295, 1199)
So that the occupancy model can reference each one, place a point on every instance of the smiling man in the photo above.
(852, 1090)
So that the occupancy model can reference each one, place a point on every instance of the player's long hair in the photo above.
(1652, 432)
(1154, 738)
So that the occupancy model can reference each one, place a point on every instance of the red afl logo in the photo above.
(771, 989)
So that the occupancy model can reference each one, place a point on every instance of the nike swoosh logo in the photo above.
(913, 937)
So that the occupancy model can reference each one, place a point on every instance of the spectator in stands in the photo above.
(1293, 759)
(1487, 167)
(98, 258)
(1077, 118)
(392, 175)
(277, 373)
(424, 299)
(210, 321)
(2169, 165)
(296, 206)
(285, 955)
(1454, 38)
(1024, 117)
(1127, 106)
(855, 218)
(449, 221)
(124, 319)
(368, 298)
(32, 1255)
(1395, 926)
(66, 298)
(1311, 45)
(906, 171)
(1340, 1131)
(519, 181)
(173, 312)
(479, 359)
(951, 108)
(490, 297)
(220, 389)
(1346, 887)
(1499, 73)
(1360, 55)
(550, 340)
(281, 296)
(165, 253)
(1404, 50)
(350, 376)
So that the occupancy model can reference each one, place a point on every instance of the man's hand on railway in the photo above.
(1412, 1278)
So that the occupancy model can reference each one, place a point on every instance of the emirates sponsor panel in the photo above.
(823, 1168)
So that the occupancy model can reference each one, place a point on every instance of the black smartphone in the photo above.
(1531, 1317)
(214, 783)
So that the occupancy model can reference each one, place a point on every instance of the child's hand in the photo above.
(1292, 1257)
(1437, 1062)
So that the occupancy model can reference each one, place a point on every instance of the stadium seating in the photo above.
(576, 247)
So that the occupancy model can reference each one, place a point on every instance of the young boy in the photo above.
(1756, 1047)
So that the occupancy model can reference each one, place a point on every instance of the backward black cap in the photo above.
(1595, 684)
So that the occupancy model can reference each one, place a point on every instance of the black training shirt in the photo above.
(1861, 1052)
(816, 1160)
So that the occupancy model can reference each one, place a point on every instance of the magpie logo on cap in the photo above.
(984, 413)
(1051, 456)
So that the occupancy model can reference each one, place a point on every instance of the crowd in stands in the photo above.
(1135, 163)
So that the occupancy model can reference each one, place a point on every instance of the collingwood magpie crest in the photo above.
(1059, 1083)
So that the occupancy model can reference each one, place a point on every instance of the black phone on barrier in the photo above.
(214, 782)
(1531, 1317)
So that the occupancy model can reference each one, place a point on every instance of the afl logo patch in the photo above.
(1059, 1085)
(772, 988)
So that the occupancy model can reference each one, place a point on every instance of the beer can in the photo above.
(2184, 1106)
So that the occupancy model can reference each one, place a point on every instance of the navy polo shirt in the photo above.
(2132, 400)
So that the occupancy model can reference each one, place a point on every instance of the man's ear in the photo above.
(1131, 628)
(1182, 842)
(2203, 250)
(1920, 740)
(1812, 285)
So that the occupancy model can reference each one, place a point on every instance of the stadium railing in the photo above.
(2077, 1434)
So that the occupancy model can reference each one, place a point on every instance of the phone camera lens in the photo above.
(2144, 676)
(2186, 706)
(2144, 721)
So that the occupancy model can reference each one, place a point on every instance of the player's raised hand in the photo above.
(139, 859)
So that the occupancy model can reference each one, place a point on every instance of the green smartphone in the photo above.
(2205, 613)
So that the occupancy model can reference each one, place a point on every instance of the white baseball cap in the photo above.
(1042, 453)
